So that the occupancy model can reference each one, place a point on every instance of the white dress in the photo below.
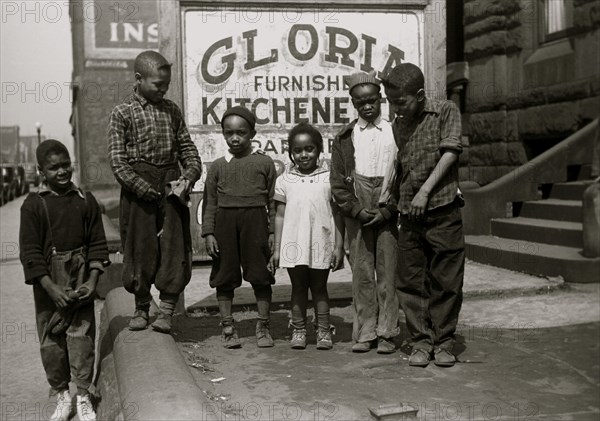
(308, 235)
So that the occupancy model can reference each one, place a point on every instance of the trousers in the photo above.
(430, 284)
(70, 353)
(156, 239)
(373, 259)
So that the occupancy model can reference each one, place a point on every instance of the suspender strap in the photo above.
(86, 222)
(49, 223)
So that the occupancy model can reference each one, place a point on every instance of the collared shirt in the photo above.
(139, 130)
(374, 147)
(45, 189)
(420, 147)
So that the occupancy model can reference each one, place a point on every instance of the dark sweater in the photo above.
(240, 183)
(68, 214)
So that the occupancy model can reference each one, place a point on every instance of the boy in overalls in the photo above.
(363, 153)
(147, 142)
(63, 251)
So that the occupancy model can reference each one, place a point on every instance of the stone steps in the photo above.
(547, 231)
(545, 239)
(572, 190)
(554, 209)
(533, 257)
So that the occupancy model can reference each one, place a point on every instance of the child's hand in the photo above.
(271, 242)
(187, 185)
(88, 289)
(274, 262)
(377, 219)
(418, 205)
(151, 195)
(337, 258)
(365, 216)
(212, 247)
(57, 294)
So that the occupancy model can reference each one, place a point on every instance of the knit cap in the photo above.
(243, 112)
(361, 78)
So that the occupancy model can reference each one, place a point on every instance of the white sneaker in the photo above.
(85, 410)
(63, 406)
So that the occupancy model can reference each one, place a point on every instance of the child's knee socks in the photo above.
(263, 300)
(225, 300)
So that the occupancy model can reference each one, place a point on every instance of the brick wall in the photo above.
(524, 95)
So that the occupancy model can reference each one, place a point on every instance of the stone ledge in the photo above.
(151, 373)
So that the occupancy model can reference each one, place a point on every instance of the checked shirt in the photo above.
(420, 146)
(140, 131)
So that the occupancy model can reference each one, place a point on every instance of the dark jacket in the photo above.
(343, 167)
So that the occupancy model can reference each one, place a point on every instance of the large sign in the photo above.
(119, 30)
(288, 66)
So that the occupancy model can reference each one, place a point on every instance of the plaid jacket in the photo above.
(139, 130)
(420, 146)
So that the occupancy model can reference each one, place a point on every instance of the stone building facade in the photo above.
(106, 36)
(533, 79)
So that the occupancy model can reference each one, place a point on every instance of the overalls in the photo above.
(71, 352)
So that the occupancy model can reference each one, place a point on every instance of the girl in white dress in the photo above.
(309, 234)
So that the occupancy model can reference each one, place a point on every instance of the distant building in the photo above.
(533, 70)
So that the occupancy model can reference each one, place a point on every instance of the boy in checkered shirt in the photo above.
(151, 152)
(430, 240)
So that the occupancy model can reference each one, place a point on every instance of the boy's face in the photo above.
(58, 171)
(366, 99)
(238, 135)
(404, 105)
(154, 85)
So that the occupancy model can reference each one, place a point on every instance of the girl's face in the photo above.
(238, 135)
(305, 153)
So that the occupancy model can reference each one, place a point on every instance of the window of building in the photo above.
(556, 19)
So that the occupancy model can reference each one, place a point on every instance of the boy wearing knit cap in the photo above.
(151, 154)
(63, 251)
(431, 240)
(362, 154)
(238, 223)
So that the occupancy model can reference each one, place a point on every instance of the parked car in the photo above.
(32, 175)
(9, 184)
(13, 182)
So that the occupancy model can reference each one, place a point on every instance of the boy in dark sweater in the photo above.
(236, 225)
(63, 251)
(430, 240)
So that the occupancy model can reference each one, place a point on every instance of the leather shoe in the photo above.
(386, 346)
(361, 347)
(139, 321)
(444, 358)
(419, 358)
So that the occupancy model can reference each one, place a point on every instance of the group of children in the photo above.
(392, 188)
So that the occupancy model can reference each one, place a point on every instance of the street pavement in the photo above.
(24, 390)
(524, 355)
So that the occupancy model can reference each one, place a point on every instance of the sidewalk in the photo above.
(480, 281)
(521, 357)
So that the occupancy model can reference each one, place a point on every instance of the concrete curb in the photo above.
(340, 294)
(151, 373)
